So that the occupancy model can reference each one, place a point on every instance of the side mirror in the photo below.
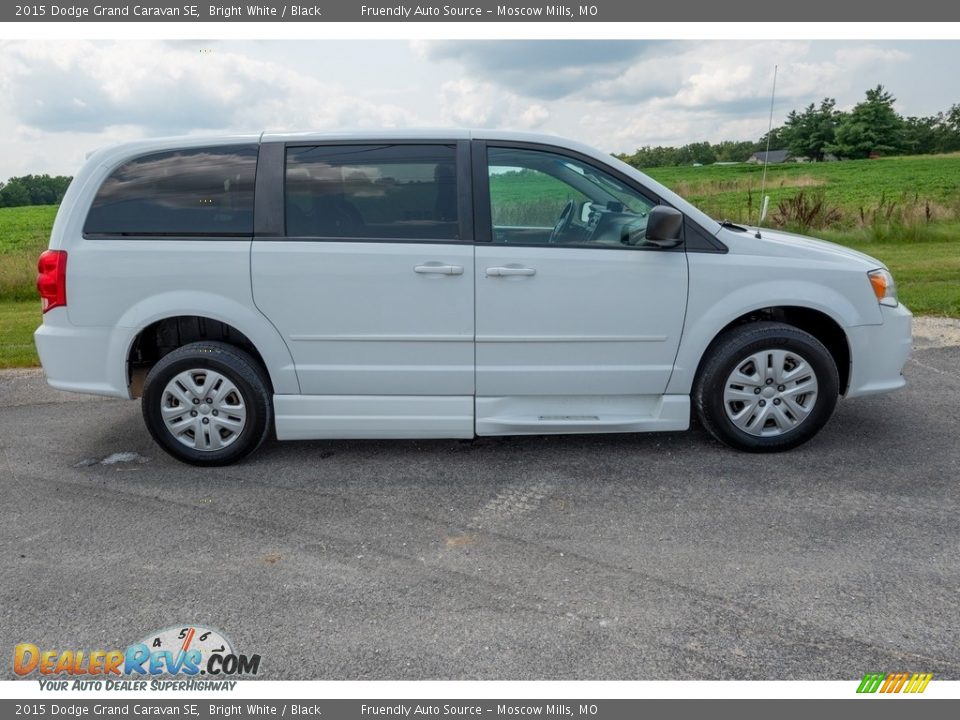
(663, 227)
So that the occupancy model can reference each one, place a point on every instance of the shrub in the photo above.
(806, 211)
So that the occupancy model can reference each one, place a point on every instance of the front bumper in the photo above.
(879, 352)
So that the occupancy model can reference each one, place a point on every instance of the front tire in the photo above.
(766, 387)
(207, 403)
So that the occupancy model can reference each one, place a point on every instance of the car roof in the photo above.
(368, 135)
(434, 133)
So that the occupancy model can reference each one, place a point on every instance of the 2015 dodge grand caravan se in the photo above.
(443, 284)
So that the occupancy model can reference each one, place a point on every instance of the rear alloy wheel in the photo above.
(207, 403)
(766, 387)
(203, 409)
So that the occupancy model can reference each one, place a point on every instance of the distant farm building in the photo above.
(772, 157)
(782, 156)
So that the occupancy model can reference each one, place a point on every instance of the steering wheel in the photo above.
(563, 222)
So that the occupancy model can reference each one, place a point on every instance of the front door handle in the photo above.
(505, 271)
(439, 269)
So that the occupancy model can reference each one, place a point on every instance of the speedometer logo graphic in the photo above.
(179, 640)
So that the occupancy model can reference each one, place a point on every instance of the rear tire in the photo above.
(208, 403)
(766, 387)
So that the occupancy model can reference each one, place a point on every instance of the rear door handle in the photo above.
(505, 271)
(439, 269)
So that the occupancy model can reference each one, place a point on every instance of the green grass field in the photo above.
(897, 189)
(904, 211)
(24, 233)
(25, 228)
(927, 274)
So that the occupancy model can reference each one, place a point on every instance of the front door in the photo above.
(578, 320)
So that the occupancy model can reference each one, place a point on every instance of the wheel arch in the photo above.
(822, 325)
(170, 326)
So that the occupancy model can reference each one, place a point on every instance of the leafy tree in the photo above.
(808, 133)
(33, 190)
(648, 157)
(733, 151)
(778, 140)
(14, 194)
(923, 136)
(950, 130)
(701, 152)
(873, 126)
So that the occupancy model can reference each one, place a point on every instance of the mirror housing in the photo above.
(664, 224)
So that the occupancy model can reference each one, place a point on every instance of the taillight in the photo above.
(52, 278)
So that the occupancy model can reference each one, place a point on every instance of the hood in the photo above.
(778, 243)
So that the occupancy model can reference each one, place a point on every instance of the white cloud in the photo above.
(60, 100)
(91, 86)
(721, 90)
(533, 117)
(66, 98)
(468, 103)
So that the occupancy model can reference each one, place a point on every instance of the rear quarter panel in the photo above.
(124, 284)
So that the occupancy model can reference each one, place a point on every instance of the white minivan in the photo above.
(443, 284)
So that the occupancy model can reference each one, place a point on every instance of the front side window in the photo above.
(541, 197)
(383, 192)
(199, 191)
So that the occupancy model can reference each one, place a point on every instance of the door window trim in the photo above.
(275, 185)
(483, 220)
(473, 188)
(178, 235)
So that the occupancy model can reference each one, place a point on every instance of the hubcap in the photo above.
(203, 410)
(770, 392)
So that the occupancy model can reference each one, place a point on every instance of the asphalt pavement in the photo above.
(660, 556)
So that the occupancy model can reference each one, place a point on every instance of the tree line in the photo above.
(870, 129)
(33, 190)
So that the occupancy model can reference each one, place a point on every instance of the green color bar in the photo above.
(871, 682)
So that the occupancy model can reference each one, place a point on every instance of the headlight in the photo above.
(883, 287)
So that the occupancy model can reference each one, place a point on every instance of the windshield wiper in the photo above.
(732, 226)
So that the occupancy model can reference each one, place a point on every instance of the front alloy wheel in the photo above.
(765, 387)
(770, 392)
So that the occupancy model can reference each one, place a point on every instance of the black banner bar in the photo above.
(206, 708)
(478, 11)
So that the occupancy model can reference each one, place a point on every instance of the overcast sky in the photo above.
(59, 100)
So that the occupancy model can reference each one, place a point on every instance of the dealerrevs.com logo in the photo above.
(182, 652)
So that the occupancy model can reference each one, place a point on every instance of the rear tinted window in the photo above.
(200, 191)
(387, 192)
